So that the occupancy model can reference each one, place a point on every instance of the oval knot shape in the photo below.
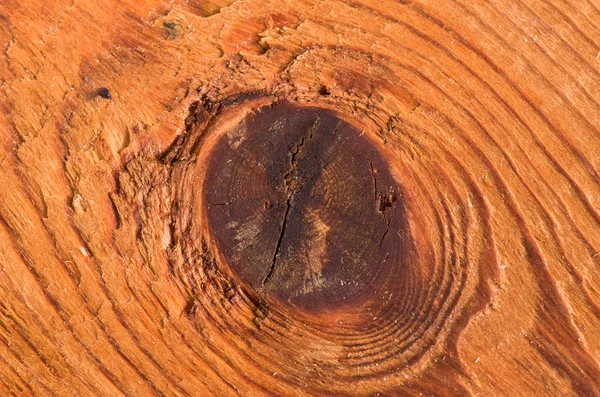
(303, 207)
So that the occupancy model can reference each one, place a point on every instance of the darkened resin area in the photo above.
(303, 207)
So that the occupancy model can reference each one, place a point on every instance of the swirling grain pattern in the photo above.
(288, 198)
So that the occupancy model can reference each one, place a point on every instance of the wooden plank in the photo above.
(365, 198)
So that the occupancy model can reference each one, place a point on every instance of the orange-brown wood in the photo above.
(364, 198)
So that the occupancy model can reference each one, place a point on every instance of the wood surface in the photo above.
(294, 198)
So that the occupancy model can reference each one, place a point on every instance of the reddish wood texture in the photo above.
(363, 198)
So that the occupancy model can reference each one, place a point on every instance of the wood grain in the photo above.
(243, 197)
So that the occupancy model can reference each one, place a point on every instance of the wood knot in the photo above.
(295, 207)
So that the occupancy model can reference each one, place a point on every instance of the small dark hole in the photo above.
(324, 91)
(263, 48)
(103, 92)
(169, 25)
(172, 29)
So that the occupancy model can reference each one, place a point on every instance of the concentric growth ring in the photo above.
(307, 243)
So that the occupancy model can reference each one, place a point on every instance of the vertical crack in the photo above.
(387, 229)
(292, 188)
(284, 223)
(384, 201)
(374, 179)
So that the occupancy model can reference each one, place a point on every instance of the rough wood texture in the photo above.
(367, 198)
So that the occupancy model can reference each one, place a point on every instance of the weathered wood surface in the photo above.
(300, 198)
